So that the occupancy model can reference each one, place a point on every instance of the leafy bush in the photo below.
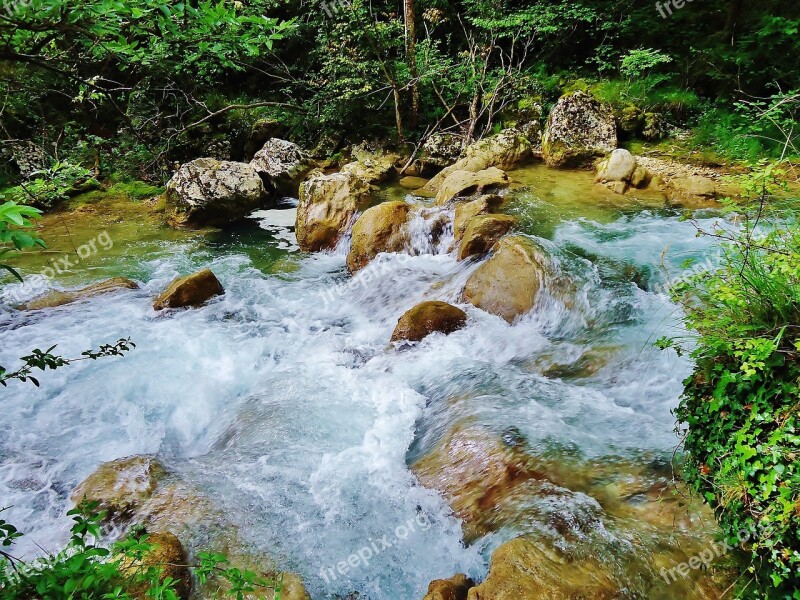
(124, 571)
(50, 187)
(14, 220)
(742, 403)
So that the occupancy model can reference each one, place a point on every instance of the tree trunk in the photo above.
(411, 55)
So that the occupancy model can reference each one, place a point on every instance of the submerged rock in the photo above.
(283, 165)
(413, 183)
(460, 182)
(502, 151)
(192, 290)
(57, 298)
(380, 229)
(427, 318)
(466, 211)
(508, 284)
(121, 486)
(328, 204)
(693, 187)
(207, 191)
(455, 588)
(578, 130)
(482, 233)
(523, 570)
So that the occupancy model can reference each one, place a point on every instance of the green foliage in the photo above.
(742, 403)
(87, 569)
(48, 188)
(15, 219)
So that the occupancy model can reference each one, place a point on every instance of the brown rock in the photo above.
(192, 290)
(121, 486)
(427, 318)
(579, 129)
(57, 298)
(328, 204)
(466, 211)
(379, 229)
(508, 283)
(455, 588)
(168, 555)
(460, 182)
(482, 233)
(522, 570)
(413, 183)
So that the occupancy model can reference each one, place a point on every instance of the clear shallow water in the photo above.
(284, 401)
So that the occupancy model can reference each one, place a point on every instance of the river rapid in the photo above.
(285, 403)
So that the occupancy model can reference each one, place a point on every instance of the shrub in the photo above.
(50, 187)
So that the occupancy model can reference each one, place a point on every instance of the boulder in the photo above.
(121, 486)
(630, 120)
(525, 116)
(58, 298)
(442, 149)
(523, 570)
(27, 157)
(466, 211)
(328, 204)
(167, 554)
(455, 588)
(578, 130)
(504, 150)
(282, 166)
(373, 168)
(619, 166)
(413, 183)
(508, 284)
(380, 229)
(482, 233)
(207, 191)
(427, 318)
(460, 182)
(193, 290)
(641, 177)
(692, 187)
(260, 133)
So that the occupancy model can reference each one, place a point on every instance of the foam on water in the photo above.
(284, 401)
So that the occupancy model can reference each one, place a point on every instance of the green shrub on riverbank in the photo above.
(742, 403)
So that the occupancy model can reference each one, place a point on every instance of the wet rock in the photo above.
(372, 167)
(427, 318)
(482, 233)
(455, 588)
(413, 183)
(578, 130)
(442, 149)
(380, 229)
(508, 284)
(523, 570)
(121, 486)
(207, 191)
(193, 290)
(466, 211)
(282, 165)
(328, 204)
(503, 151)
(460, 182)
(58, 298)
(166, 553)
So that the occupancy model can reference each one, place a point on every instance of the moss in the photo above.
(120, 191)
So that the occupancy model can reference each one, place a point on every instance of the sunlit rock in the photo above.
(207, 191)
(379, 229)
(193, 290)
(427, 318)
(466, 211)
(455, 588)
(459, 183)
(282, 165)
(328, 204)
(442, 149)
(59, 298)
(167, 554)
(482, 233)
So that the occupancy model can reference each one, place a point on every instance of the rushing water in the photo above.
(284, 401)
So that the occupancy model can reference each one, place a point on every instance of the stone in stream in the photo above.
(380, 229)
(579, 129)
(57, 298)
(166, 553)
(460, 182)
(190, 291)
(413, 183)
(373, 167)
(328, 204)
(502, 151)
(482, 233)
(621, 169)
(427, 318)
(455, 588)
(508, 284)
(282, 166)
(466, 211)
(207, 191)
